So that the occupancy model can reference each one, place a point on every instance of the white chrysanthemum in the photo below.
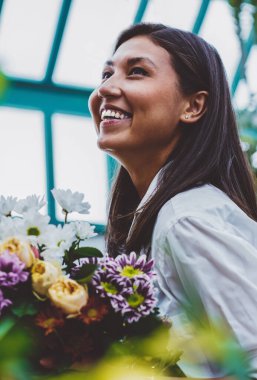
(34, 225)
(7, 205)
(9, 227)
(70, 201)
(83, 230)
(30, 203)
(57, 242)
(53, 255)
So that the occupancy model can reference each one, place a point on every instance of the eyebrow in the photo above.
(133, 61)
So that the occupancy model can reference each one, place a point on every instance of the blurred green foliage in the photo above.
(247, 118)
(237, 6)
(133, 359)
(15, 347)
(3, 85)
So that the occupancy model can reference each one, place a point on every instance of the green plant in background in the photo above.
(15, 347)
(238, 9)
(238, 5)
(247, 118)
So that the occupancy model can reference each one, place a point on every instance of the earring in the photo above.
(187, 116)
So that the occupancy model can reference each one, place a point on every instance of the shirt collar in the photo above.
(151, 189)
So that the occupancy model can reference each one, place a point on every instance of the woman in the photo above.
(184, 192)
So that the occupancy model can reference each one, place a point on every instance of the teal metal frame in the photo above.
(1, 5)
(140, 11)
(251, 40)
(64, 13)
(200, 17)
(50, 98)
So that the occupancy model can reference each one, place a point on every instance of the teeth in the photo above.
(113, 114)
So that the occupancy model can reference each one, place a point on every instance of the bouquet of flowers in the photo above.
(71, 299)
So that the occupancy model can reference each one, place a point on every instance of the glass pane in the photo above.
(26, 33)
(176, 13)
(22, 164)
(91, 31)
(219, 30)
(79, 164)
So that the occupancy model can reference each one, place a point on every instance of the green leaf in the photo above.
(5, 326)
(85, 273)
(83, 252)
(24, 308)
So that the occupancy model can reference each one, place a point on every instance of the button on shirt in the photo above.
(202, 238)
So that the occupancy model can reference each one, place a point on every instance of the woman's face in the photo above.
(137, 107)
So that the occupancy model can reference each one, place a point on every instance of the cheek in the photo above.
(157, 120)
(94, 104)
(158, 110)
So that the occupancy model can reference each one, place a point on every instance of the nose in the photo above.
(109, 88)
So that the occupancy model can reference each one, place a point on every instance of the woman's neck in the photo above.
(143, 178)
(143, 168)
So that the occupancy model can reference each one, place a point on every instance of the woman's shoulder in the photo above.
(208, 204)
(196, 202)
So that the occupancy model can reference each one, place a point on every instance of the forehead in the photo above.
(142, 46)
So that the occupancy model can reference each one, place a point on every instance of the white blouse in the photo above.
(202, 238)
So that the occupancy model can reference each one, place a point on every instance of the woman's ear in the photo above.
(195, 108)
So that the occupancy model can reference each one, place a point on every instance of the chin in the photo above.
(105, 144)
(112, 149)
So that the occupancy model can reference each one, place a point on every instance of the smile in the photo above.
(114, 114)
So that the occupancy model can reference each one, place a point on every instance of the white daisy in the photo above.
(54, 255)
(83, 230)
(30, 203)
(57, 241)
(7, 205)
(70, 201)
(9, 227)
(34, 225)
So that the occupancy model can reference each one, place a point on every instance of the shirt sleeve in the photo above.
(222, 268)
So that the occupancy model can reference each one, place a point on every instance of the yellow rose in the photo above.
(44, 274)
(20, 248)
(68, 295)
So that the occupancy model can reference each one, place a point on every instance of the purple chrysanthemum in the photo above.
(135, 302)
(105, 283)
(4, 302)
(11, 270)
(126, 268)
(127, 282)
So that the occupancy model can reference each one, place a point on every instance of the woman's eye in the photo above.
(138, 71)
(106, 75)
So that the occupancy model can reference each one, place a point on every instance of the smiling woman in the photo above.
(184, 193)
(140, 89)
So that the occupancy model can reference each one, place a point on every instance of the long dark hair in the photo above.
(207, 152)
